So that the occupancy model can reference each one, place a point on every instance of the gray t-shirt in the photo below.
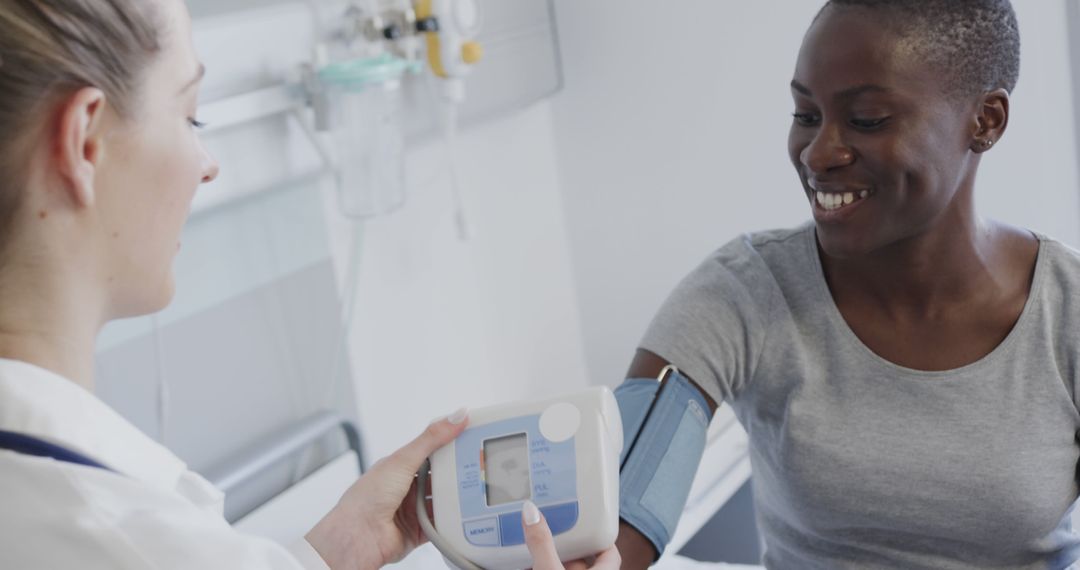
(861, 463)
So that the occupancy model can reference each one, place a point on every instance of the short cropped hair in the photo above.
(976, 43)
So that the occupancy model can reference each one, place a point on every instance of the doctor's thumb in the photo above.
(438, 434)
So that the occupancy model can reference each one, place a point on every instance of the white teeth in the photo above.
(833, 201)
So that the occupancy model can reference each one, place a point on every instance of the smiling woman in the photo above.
(906, 370)
(918, 90)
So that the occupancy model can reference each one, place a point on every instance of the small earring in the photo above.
(988, 143)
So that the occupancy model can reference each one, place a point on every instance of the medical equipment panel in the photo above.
(561, 454)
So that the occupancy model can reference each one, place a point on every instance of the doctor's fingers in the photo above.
(542, 546)
(539, 540)
(438, 434)
(608, 560)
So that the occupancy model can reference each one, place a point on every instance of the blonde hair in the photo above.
(48, 50)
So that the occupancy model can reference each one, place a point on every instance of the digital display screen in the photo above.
(506, 469)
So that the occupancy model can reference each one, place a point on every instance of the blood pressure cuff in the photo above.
(664, 429)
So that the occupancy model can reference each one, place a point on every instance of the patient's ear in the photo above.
(78, 143)
(991, 120)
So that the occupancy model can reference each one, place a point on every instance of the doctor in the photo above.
(99, 161)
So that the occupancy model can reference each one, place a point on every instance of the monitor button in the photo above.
(511, 530)
(561, 518)
(483, 532)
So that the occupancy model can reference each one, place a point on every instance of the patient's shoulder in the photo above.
(757, 263)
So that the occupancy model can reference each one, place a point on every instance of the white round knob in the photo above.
(560, 422)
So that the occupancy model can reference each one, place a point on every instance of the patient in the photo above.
(906, 370)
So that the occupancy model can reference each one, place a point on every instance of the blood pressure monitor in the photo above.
(562, 454)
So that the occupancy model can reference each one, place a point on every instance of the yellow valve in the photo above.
(471, 52)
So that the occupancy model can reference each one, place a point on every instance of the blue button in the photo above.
(484, 532)
(511, 529)
(561, 518)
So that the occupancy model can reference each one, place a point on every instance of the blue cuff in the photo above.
(664, 430)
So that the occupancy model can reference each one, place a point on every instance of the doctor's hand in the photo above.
(375, 523)
(542, 546)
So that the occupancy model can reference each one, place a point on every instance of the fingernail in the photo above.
(529, 513)
(458, 416)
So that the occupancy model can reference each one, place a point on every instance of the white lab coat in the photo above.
(152, 512)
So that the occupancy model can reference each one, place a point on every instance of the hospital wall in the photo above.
(671, 136)
(439, 321)
(443, 322)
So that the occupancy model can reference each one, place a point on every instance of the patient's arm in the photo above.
(636, 550)
(649, 365)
